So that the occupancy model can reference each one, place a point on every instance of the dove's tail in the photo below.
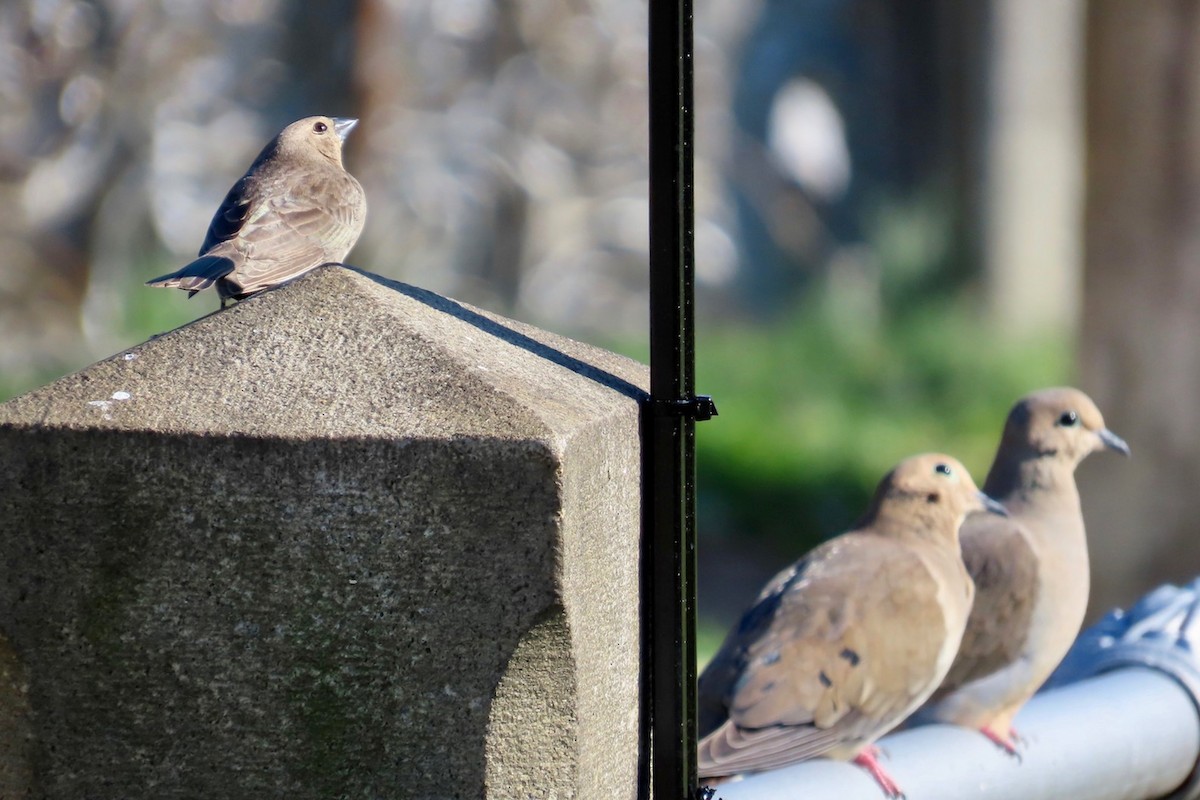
(198, 275)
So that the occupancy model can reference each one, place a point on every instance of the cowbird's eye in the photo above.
(320, 127)
(943, 469)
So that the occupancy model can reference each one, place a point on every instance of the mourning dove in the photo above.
(296, 208)
(840, 647)
(1030, 570)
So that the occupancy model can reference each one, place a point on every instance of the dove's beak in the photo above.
(1112, 441)
(342, 126)
(991, 506)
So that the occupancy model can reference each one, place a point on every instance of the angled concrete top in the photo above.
(343, 353)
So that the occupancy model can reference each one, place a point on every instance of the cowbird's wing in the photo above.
(232, 213)
(305, 221)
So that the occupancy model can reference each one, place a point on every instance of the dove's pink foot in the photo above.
(868, 760)
(1009, 743)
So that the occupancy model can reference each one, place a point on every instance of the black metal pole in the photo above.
(668, 758)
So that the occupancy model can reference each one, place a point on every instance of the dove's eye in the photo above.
(1068, 419)
(320, 127)
(943, 469)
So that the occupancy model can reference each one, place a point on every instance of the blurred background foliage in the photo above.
(891, 232)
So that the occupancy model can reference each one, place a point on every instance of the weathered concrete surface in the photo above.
(345, 539)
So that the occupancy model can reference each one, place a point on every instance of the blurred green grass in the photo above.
(814, 410)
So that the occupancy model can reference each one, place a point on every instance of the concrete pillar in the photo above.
(345, 539)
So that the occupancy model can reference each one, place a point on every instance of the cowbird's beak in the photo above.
(342, 126)
(991, 506)
(1112, 441)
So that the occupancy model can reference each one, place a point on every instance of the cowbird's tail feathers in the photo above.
(198, 275)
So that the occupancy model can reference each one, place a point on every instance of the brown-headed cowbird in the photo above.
(296, 208)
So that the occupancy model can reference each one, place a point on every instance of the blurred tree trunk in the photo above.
(1141, 344)
(1033, 166)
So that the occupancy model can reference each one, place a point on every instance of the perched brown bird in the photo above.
(296, 208)
(843, 645)
(1030, 570)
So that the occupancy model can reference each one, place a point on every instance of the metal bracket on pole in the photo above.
(699, 408)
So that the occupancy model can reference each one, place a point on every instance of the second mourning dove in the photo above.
(842, 646)
(1030, 570)
(296, 208)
